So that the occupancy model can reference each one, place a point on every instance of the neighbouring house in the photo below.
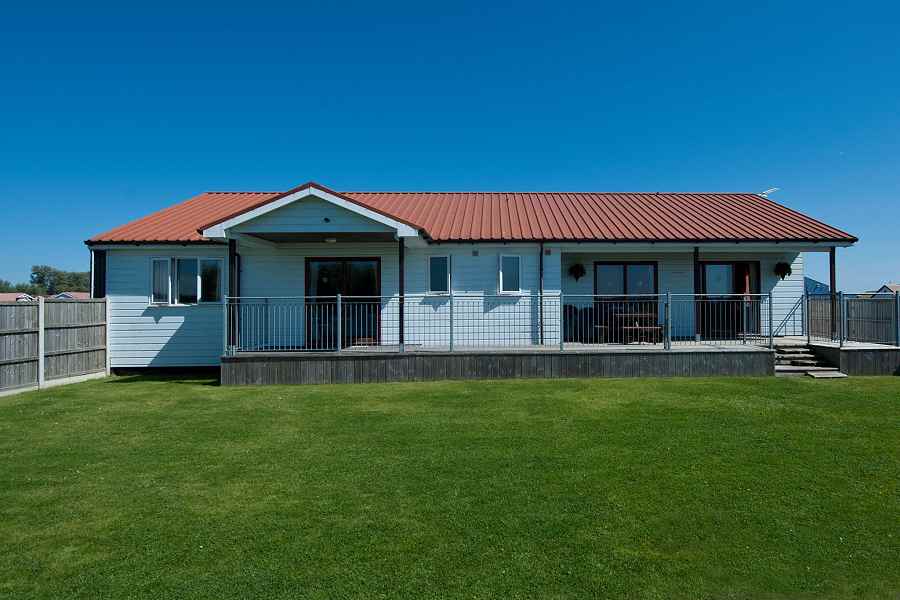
(888, 288)
(72, 296)
(815, 287)
(312, 269)
(16, 297)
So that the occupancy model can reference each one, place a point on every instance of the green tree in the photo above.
(54, 280)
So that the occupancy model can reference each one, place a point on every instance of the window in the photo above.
(438, 274)
(510, 274)
(620, 279)
(210, 280)
(160, 281)
(186, 288)
(186, 280)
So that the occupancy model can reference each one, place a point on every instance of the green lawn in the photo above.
(716, 488)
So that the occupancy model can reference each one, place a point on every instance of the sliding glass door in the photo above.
(358, 281)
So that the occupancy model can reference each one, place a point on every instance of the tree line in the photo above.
(48, 281)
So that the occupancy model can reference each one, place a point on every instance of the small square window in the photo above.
(438, 274)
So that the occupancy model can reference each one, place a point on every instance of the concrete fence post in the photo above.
(41, 342)
(106, 329)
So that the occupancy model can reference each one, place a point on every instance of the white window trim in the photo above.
(500, 289)
(428, 291)
(173, 274)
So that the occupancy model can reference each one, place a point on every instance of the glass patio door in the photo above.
(357, 280)
(728, 311)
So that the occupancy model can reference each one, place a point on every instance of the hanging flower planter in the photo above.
(783, 269)
(577, 271)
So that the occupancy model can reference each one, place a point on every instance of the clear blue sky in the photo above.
(110, 112)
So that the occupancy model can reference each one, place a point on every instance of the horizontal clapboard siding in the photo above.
(142, 335)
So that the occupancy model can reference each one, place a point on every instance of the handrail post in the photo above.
(806, 317)
(451, 320)
(562, 336)
(340, 318)
(225, 328)
(897, 318)
(667, 344)
(842, 318)
(771, 324)
(400, 328)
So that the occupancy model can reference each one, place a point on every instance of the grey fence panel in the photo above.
(74, 337)
(18, 344)
(74, 341)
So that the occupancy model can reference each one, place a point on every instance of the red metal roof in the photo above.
(520, 216)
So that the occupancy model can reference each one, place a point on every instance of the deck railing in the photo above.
(452, 322)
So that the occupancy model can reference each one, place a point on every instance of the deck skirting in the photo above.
(381, 367)
(861, 360)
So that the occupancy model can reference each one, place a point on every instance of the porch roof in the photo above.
(516, 217)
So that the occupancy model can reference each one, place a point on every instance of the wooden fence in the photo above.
(50, 342)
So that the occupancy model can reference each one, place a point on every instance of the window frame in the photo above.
(500, 289)
(428, 290)
(173, 280)
(624, 265)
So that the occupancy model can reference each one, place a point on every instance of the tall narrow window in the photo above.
(210, 280)
(438, 274)
(186, 277)
(159, 293)
(510, 274)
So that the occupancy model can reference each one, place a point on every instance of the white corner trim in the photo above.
(218, 231)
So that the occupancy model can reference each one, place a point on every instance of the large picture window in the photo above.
(181, 281)
(624, 279)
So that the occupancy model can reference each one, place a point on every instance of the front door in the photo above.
(358, 281)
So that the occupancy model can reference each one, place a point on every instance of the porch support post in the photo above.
(234, 273)
(832, 281)
(401, 257)
(541, 293)
(698, 289)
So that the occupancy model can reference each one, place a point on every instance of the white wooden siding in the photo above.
(309, 215)
(141, 335)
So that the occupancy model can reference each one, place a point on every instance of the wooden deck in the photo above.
(388, 365)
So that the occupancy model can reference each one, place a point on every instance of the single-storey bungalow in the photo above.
(225, 275)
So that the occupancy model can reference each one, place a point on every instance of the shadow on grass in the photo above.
(195, 376)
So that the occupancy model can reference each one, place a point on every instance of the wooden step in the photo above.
(802, 369)
(797, 356)
(826, 375)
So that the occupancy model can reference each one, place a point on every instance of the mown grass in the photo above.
(720, 488)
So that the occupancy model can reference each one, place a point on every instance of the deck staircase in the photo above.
(797, 359)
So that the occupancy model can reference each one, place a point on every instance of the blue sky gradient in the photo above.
(110, 112)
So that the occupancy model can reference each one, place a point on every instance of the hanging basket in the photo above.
(783, 270)
(577, 271)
